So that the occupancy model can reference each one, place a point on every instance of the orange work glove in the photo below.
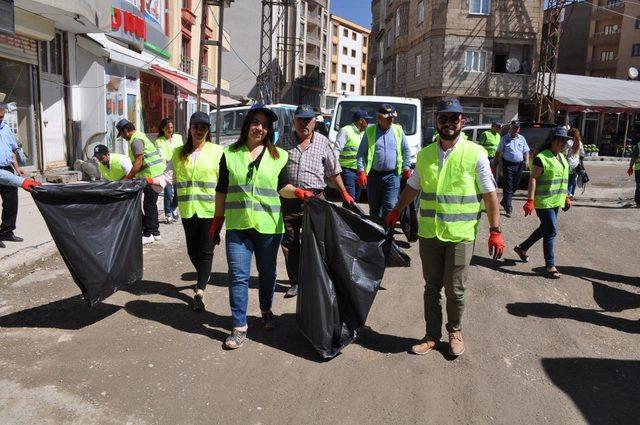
(302, 194)
(630, 170)
(216, 227)
(149, 180)
(528, 207)
(392, 218)
(496, 245)
(567, 204)
(407, 173)
(29, 184)
(348, 199)
(362, 179)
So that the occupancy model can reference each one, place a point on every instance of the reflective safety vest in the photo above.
(168, 146)
(372, 133)
(116, 169)
(491, 142)
(152, 163)
(552, 185)
(195, 181)
(636, 166)
(450, 199)
(252, 200)
(349, 152)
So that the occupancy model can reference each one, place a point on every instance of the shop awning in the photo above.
(121, 54)
(580, 92)
(189, 86)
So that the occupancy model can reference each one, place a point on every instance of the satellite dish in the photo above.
(632, 73)
(513, 65)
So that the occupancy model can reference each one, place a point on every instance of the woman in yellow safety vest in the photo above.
(195, 177)
(547, 193)
(166, 142)
(252, 179)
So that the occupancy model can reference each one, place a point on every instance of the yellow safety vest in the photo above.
(152, 163)
(491, 142)
(168, 146)
(372, 132)
(116, 170)
(552, 185)
(349, 152)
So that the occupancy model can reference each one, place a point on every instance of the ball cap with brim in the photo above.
(496, 124)
(560, 133)
(515, 124)
(259, 107)
(199, 117)
(304, 111)
(449, 106)
(121, 125)
(360, 114)
(387, 110)
(100, 150)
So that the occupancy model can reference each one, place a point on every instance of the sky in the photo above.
(358, 11)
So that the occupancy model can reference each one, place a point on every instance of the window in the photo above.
(364, 58)
(333, 86)
(364, 41)
(363, 90)
(335, 30)
(397, 67)
(418, 64)
(345, 33)
(343, 86)
(354, 36)
(334, 48)
(381, 48)
(606, 55)
(344, 69)
(611, 29)
(352, 88)
(353, 70)
(474, 61)
(345, 51)
(51, 55)
(397, 22)
(364, 74)
(638, 22)
(613, 3)
(420, 12)
(353, 53)
(479, 7)
(635, 50)
(334, 68)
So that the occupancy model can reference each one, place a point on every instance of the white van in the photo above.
(232, 119)
(409, 116)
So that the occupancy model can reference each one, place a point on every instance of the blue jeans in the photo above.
(241, 244)
(511, 174)
(637, 194)
(349, 178)
(573, 181)
(168, 201)
(382, 191)
(547, 232)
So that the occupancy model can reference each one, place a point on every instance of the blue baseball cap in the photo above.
(515, 123)
(259, 107)
(561, 133)
(304, 111)
(450, 105)
(199, 117)
(387, 110)
(360, 114)
(121, 125)
(496, 123)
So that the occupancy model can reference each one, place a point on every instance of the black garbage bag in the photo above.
(342, 263)
(97, 228)
(409, 217)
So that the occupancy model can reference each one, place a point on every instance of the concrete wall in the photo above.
(574, 41)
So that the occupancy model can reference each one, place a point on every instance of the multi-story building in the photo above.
(349, 50)
(574, 40)
(480, 51)
(614, 38)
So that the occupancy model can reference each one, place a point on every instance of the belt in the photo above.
(7, 168)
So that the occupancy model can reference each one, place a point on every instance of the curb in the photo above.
(605, 159)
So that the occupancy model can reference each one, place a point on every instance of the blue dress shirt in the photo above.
(513, 149)
(7, 145)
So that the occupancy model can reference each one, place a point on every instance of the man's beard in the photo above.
(454, 136)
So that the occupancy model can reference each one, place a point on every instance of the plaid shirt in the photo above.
(308, 169)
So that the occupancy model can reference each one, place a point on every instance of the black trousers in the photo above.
(199, 247)
(636, 197)
(9, 196)
(150, 224)
(511, 175)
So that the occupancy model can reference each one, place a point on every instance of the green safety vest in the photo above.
(372, 132)
(349, 152)
(551, 186)
(168, 146)
(116, 170)
(636, 166)
(252, 200)
(152, 164)
(490, 142)
(450, 199)
(195, 181)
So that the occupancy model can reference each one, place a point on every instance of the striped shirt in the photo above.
(309, 168)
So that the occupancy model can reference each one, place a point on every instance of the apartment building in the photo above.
(574, 40)
(614, 38)
(349, 51)
(481, 51)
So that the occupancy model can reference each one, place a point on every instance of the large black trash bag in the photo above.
(409, 217)
(97, 228)
(342, 263)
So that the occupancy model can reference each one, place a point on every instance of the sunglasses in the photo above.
(451, 119)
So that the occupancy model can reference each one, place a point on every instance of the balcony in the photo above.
(487, 84)
(610, 10)
(312, 59)
(313, 38)
(208, 32)
(187, 16)
(601, 65)
(601, 39)
(186, 65)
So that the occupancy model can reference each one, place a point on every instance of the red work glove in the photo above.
(493, 170)
(392, 218)
(362, 179)
(567, 204)
(29, 184)
(348, 199)
(302, 194)
(216, 227)
(630, 170)
(149, 180)
(496, 245)
(407, 173)
(528, 207)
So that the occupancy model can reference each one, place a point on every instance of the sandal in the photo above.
(522, 254)
(553, 274)
(198, 303)
(236, 339)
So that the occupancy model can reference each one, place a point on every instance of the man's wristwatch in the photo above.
(495, 229)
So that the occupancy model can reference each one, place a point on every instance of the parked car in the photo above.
(232, 121)
(473, 132)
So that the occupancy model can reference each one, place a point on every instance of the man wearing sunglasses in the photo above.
(311, 162)
(452, 176)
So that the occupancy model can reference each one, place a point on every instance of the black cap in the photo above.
(199, 117)
(100, 150)
(121, 125)
(304, 111)
(450, 105)
(560, 132)
(387, 110)
(259, 107)
(359, 114)
(496, 123)
(515, 123)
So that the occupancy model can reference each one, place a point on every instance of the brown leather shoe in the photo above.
(456, 344)
(424, 346)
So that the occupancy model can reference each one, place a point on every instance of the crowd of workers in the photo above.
(257, 190)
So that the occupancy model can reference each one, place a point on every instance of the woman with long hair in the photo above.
(547, 193)
(167, 141)
(195, 176)
(574, 153)
(252, 179)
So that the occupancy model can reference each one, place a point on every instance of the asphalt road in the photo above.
(538, 351)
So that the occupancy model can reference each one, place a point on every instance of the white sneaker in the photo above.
(157, 238)
(147, 240)
(169, 220)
